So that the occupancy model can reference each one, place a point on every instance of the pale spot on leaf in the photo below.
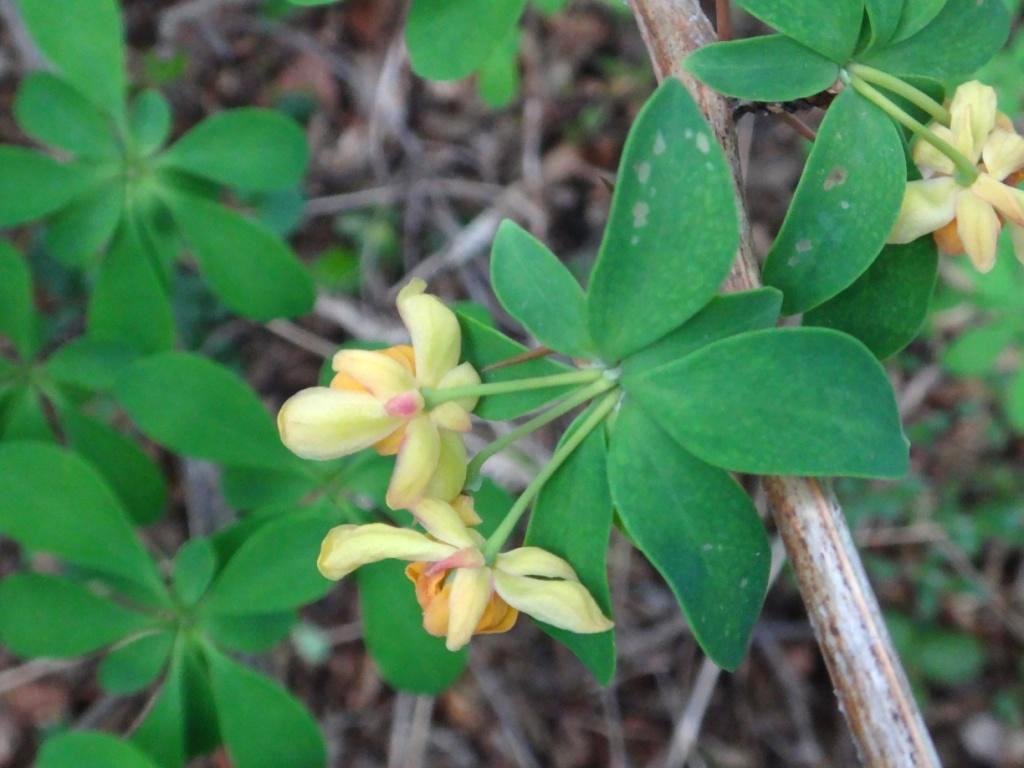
(640, 213)
(836, 178)
(659, 144)
(643, 172)
(803, 246)
(703, 144)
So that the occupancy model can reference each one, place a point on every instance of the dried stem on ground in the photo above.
(870, 683)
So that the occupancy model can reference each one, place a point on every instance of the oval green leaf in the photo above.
(252, 271)
(698, 529)
(449, 39)
(194, 568)
(53, 112)
(832, 29)
(33, 185)
(257, 150)
(17, 304)
(887, 305)
(768, 68)
(672, 231)
(85, 749)
(49, 616)
(209, 412)
(789, 401)
(539, 291)
(81, 229)
(843, 208)
(135, 665)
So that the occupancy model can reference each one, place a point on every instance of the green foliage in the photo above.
(808, 402)
(831, 29)
(538, 290)
(85, 749)
(449, 39)
(844, 207)
(887, 305)
(697, 527)
(736, 68)
(673, 182)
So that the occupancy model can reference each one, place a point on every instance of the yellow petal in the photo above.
(322, 423)
(464, 375)
(973, 116)
(1004, 198)
(927, 206)
(978, 227)
(929, 160)
(443, 522)
(384, 376)
(348, 547)
(467, 510)
(452, 416)
(1003, 153)
(1017, 236)
(534, 561)
(417, 462)
(450, 475)
(436, 338)
(471, 591)
(564, 604)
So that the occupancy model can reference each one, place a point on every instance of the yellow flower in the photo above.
(459, 593)
(374, 401)
(967, 219)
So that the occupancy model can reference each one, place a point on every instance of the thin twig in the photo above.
(30, 671)
(843, 610)
(723, 19)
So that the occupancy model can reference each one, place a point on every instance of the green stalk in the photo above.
(435, 397)
(560, 408)
(967, 172)
(918, 98)
(563, 452)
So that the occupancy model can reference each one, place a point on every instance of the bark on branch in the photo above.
(870, 683)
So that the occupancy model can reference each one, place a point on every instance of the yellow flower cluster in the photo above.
(967, 218)
(375, 400)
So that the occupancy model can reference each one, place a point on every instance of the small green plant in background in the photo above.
(122, 205)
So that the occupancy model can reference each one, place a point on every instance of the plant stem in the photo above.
(560, 408)
(902, 88)
(434, 397)
(563, 452)
(965, 167)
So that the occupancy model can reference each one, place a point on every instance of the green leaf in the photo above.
(498, 78)
(1014, 402)
(34, 185)
(722, 317)
(194, 567)
(406, 656)
(252, 271)
(131, 473)
(26, 418)
(78, 519)
(253, 487)
(887, 305)
(483, 346)
(89, 364)
(950, 658)
(17, 307)
(792, 401)
(831, 29)
(262, 726)
(671, 233)
(572, 518)
(844, 207)
(768, 68)
(131, 667)
(962, 37)
(150, 121)
(54, 113)
(537, 290)
(84, 41)
(209, 412)
(975, 352)
(884, 17)
(257, 150)
(915, 15)
(129, 304)
(448, 39)
(697, 527)
(249, 633)
(49, 616)
(162, 734)
(82, 228)
(275, 569)
(85, 749)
